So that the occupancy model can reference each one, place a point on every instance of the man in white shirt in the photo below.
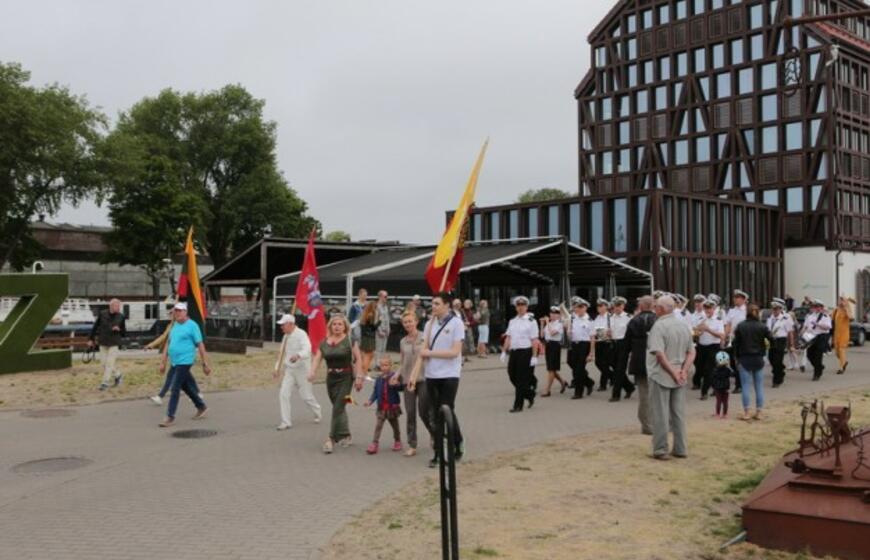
(711, 333)
(603, 344)
(818, 325)
(735, 316)
(295, 359)
(695, 318)
(781, 327)
(520, 354)
(582, 335)
(444, 335)
(618, 324)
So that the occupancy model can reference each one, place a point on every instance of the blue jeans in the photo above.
(748, 379)
(182, 380)
(167, 383)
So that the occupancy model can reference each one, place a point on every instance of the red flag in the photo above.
(308, 299)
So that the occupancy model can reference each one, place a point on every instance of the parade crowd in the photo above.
(660, 352)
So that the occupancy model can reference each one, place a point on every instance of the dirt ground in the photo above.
(595, 496)
(78, 385)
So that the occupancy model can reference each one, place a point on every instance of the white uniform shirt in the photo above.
(581, 328)
(297, 342)
(817, 323)
(697, 317)
(780, 325)
(453, 332)
(735, 316)
(554, 331)
(715, 325)
(619, 324)
(601, 322)
(522, 330)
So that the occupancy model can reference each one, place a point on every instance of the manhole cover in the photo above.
(194, 434)
(52, 465)
(48, 413)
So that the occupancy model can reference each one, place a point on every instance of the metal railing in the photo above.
(447, 473)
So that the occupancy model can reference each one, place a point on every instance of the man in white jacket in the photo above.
(295, 358)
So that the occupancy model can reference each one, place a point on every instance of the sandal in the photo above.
(327, 447)
(346, 442)
(410, 452)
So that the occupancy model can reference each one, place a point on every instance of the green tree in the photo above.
(337, 235)
(211, 158)
(542, 195)
(47, 156)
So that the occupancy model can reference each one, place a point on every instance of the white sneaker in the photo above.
(283, 426)
(200, 396)
(317, 419)
(156, 400)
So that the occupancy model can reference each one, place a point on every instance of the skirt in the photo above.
(553, 353)
(393, 411)
(367, 343)
(483, 334)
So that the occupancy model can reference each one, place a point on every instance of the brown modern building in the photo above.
(720, 148)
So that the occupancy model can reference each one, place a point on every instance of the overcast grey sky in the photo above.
(381, 105)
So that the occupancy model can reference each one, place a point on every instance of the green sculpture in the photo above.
(39, 297)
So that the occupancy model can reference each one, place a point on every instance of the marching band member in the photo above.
(522, 331)
(711, 334)
(815, 331)
(580, 329)
(781, 327)
(694, 319)
(618, 324)
(554, 331)
(603, 343)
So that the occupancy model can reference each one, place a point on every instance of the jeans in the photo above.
(167, 383)
(748, 379)
(182, 380)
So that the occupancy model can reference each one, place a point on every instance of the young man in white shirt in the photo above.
(818, 324)
(735, 316)
(581, 332)
(781, 327)
(519, 340)
(711, 333)
(695, 318)
(603, 344)
(618, 324)
(294, 359)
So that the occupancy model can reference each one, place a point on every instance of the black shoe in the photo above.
(433, 462)
(803, 368)
(629, 393)
(602, 388)
(571, 385)
(696, 387)
(839, 372)
(118, 380)
(816, 377)
(704, 397)
(515, 409)
(775, 385)
(589, 388)
(564, 387)
(531, 400)
(576, 396)
(613, 399)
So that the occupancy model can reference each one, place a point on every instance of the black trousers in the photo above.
(604, 362)
(698, 376)
(443, 391)
(620, 365)
(738, 386)
(705, 363)
(776, 357)
(815, 354)
(520, 373)
(578, 354)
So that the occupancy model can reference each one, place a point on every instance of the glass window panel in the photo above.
(737, 51)
(678, 91)
(647, 18)
(640, 99)
(596, 226)
(606, 109)
(664, 14)
(756, 43)
(822, 173)
(815, 194)
(663, 153)
(768, 107)
(532, 222)
(699, 121)
(553, 220)
(661, 94)
(477, 229)
(684, 123)
(680, 9)
(814, 65)
(749, 137)
(631, 23)
(631, 48)
(632, 75)
(600, 56)
(607, 163)
(723, 84)
(716, 4)
(699, 7)
(756, 17)
(494, 226)
(702, 149)
(718, 55)
(513, 224)
(574, 223)
(744, 80)
(821, 105)
(722, 138)
(682, 64)
(648, 72)
(681, 152)
(794, 199)
(640, 216)
(712, 229)
(769, 143)
(624, 163)
(726, 230)
(622, 107)
(815, 125)
(624, 132)
(700, 57)
(665, 68)
(793, 136)
(797, 8)
(705, 88)
(620, 225)
(771, 198)
(768, 76)
(728, 182)
(745, 183)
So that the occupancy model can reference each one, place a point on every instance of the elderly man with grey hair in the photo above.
(108, 330)
(669, 358)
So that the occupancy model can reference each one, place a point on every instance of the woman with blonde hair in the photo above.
(842, 318)
(343, 374)
(368, 326)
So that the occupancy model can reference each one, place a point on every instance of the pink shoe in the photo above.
(373, 448)
(397, 445)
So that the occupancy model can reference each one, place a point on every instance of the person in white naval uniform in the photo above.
(818, 326)
(520, 353)
(579, 327)
(781, 327)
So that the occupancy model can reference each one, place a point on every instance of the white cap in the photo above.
(287, 318)
(180, 305)
(415, 297)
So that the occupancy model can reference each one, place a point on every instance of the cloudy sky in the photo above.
(381, 105)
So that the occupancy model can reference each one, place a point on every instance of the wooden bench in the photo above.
(76, 343)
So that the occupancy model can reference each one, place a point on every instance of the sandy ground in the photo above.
(78, 385)
(596, 496)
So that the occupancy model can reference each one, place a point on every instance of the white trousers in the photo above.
(108, 357)
(296, 377)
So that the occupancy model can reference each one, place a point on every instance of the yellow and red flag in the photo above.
(443, 269)
(189, 290)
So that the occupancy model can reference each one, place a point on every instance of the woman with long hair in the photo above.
(416, 399)
(343, 374)
(842, 317)
(751, 338)
(368, 325)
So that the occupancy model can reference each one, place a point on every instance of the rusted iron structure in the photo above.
(818, 496)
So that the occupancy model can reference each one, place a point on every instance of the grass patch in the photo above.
(485, 552)
(748, 482)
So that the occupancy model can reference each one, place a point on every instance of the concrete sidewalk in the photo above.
(253, 492)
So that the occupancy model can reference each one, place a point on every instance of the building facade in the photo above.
(720, 147)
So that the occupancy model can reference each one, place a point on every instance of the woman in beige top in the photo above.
(416, 400)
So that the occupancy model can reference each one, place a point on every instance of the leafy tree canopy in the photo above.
(337, 235)
(542, 195)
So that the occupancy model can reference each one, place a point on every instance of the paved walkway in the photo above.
(252, 492)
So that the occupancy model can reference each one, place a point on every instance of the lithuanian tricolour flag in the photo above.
(443, 270)
(189, 290)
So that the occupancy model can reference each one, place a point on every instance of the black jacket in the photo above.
(635, 337)
(749, 338)
(722, 378)
(104, 331)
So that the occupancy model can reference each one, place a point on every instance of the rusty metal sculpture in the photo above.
(818, 498)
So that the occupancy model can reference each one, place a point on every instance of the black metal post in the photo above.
(447, 473)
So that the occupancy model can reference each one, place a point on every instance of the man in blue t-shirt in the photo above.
(185, 339)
